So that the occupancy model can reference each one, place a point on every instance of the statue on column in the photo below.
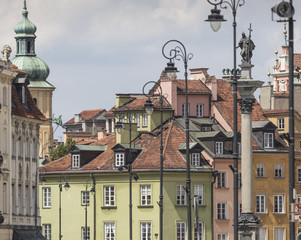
(247, 46)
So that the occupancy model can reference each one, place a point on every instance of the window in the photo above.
(27, 206)
(260, 203)
(200, 232)
(280, 123)
(278, 171)
(222, 236)
(198, 192)
(239, 180)
(279, 233)
(47, 231)
(199, 110)
(75, 160)
(119, 159)
(109, 231)
(145, 120)
(85, 233)
(85, 198)
(205, 128)
(278, 204)
(13, 193)
(4, 209)
(239, 209)
(221, 211)
(4, 140)
(181, 195)
(298, 199)
(299, 174)
(196, 159)
(46, 197)
(109, 195)
(184, 109)
(146, 195)
(146, 231)
(262, 234)
(181, 231)
(33, 199)
(19, 209)
(221, 179)
(137, 116)
(26, 148)
(219, 147)
(4, 103)
(260, 170)
(268, 140)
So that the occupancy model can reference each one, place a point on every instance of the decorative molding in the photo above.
(246, 105)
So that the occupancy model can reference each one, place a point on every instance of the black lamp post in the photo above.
(62, 180)
(179, 52)
(286, 10)
(149, 107)
(216, 19)
(89, 182)
(42, 180)
(119, 128)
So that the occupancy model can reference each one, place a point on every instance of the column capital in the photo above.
(246, 105)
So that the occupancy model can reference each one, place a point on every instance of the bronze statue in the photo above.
(247, 46)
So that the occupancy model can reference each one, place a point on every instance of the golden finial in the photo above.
(276, 52)
(269, 74)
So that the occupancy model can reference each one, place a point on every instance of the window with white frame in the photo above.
(221, 211)
(199, 192)
(109, 195)
(75, 160)
(119, 159)
(299, 174)
(278, 204)
(137, 119)
(146, 230)
(109, 231)
(201, 230)
(222, 236)
(46, 197)
(196, 159)
(260, 203)
(85, 198)
(262, 234)
(221, 179)
(146, 195)
(47, 231)
(184, 109)
(219, 147)
(278, 171)
(199, 110)
(85, 233)
(280, 123)
(181, 195)
(260, 170)
(181, 230)
(145, 120)
(279, 233)
(268, 140)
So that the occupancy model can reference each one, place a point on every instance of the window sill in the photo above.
(46, 207)
(109, 207)
(222, 220)
(226, 188)
(261, 177)
(262, 213)
(278, 177)
(200, 206)
(283, 213)
(145, 206)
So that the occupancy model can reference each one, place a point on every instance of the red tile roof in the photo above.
(87, 115)
(225, 104)
(194, 86)
(18, 109)
(110, 112)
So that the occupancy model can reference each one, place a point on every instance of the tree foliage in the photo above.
(62, 149)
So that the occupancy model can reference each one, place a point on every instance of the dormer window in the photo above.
(205, 128)
(75, 161)
(196, 159)
(119, 159)
(268, 140)
(219, 148)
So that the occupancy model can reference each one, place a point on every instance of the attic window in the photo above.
(75, 161)
(119, 159)
(206, 128)
(219, 147)
(196, 159)
(268, 140)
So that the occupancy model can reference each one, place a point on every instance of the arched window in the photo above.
(28, 47)
(35, 101)
(4, 97)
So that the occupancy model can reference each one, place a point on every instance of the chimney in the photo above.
(199, 73)
(77, 117)
(101, 134)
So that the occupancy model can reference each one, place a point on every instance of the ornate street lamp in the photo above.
(63, 181)
(179, 52)
(149, 108)
(234, 4)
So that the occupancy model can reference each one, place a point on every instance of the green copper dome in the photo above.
(25, 28)
(26, 58)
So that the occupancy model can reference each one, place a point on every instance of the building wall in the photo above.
(72, 209)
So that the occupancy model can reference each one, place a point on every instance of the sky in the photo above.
(98, 48)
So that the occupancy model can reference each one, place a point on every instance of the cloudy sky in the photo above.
(97, 48)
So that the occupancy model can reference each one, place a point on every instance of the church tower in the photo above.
(38, 71)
